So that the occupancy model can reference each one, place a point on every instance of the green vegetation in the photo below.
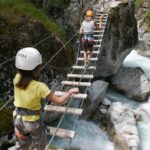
(58, 3)
(24, 7)
(138, 4)
(6, 123)
(1, 102)
(148, 17)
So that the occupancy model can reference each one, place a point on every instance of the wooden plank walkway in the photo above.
(98, 35)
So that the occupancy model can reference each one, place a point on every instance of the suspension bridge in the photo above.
(80, 76)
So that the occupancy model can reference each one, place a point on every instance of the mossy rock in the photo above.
(6, 121)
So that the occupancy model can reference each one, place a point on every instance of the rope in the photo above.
(41, 41)
(11, 98)
(82, 102)
(10, 59)
(60, 121)
(60, 50)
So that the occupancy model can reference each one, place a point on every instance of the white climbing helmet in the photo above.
(28, 58)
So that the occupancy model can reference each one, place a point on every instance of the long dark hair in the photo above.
(27, 77)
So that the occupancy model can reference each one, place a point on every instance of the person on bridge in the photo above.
(28, 92)
(90, 12)
(87, 38)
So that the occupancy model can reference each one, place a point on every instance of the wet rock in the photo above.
(132, 82)
(145, 45)
(122, 127)
(143, 113)
(119, 38)
(96, 94)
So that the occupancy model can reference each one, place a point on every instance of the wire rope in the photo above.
(11, 98)
(41, 41)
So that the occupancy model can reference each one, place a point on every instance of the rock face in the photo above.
(96, 94)
(18, 31)
(143, 117)
(122, 127)
(119, 38)
(72, 16)
(143, 113)
(132, 82)
(143, 30)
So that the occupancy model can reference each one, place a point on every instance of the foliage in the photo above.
(138, 4)
(58, 3)
(1, 102)
(56, 6)
(22, 6)
(148, 17)
(5, 120)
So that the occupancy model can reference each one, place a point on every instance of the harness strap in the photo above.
(21, 135)
(28, 112)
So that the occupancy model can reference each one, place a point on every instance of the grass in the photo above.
(22, 6)
(147, 16)
(1, 102)
(6, 123)
(138, 4)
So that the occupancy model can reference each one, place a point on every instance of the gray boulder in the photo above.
(96, 94)
(119, 38)
(122, 127)
(132, 82)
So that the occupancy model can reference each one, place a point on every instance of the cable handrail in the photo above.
(62, 87)
(83, 100)
(38, 43)
(11, 98)
(61, 119)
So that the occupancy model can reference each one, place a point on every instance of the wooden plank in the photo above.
(95, 35)
(97, 46)
(102, 12)
(103, 27)
(79, 96)
(62, 109)
(99, 31)
(85, 76)
(62, 133)
(91, 59)
(72, 83)
(103, 23)
(98, 18)
(93, 52)
(98, 40)
(82, 67)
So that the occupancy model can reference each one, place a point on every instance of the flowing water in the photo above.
(88, 137)
(135, 60)
(144, 134)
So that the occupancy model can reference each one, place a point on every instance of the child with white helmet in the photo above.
(28, 92)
